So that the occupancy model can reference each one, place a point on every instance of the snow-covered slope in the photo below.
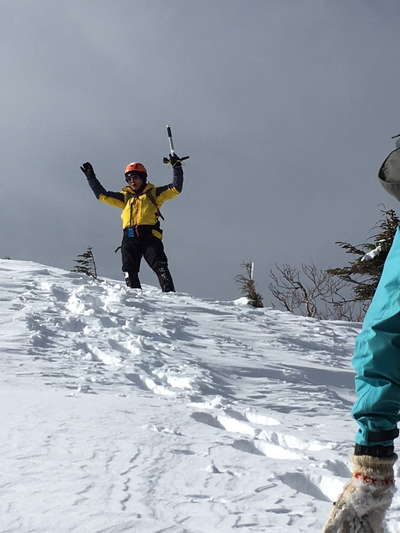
(127, 411)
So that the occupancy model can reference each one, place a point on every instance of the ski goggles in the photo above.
(134, 174)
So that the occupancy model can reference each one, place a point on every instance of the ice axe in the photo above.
(167, 160)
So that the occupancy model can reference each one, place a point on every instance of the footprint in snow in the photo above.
(301, 483)
(274, 451)
(293, 442)
(246, 446)
(206, 418)
(260, 419)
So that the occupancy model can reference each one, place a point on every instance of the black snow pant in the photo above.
(152, 249)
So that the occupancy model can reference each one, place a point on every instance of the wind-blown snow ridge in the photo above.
(142, 411)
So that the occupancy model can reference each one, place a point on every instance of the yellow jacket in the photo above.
(140, 209)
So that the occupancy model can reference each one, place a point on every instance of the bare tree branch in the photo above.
(310, 291)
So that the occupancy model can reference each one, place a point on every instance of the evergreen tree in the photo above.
(247, 285)
(364, 272)
(86, 264)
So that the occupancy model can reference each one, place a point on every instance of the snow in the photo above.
(373, 253)
(139, 411)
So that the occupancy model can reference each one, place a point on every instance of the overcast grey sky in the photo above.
(286, 108)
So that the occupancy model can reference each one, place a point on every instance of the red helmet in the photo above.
(136, 167)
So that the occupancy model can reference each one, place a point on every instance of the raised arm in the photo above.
(173, 189)
(109, 197)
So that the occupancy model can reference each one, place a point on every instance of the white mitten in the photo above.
(365, 499)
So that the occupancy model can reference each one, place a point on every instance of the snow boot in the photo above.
(365, 499)
(132, 280)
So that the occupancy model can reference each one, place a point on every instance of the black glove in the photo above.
(87, 169)
(175, 160)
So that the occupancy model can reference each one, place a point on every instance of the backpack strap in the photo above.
(150, 196)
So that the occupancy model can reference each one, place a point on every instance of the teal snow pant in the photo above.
(377, 360)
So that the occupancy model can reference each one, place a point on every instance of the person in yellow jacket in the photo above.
(140, 203)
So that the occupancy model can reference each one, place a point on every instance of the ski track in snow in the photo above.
(151, 412)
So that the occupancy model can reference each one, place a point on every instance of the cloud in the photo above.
(286, 109)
